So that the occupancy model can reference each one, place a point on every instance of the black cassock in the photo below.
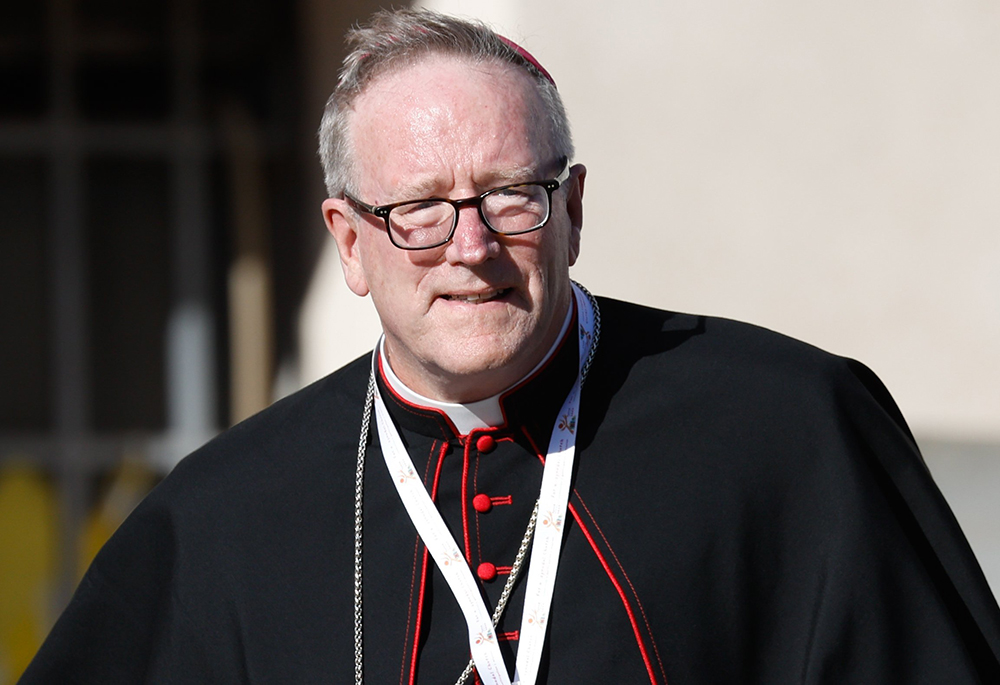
(745, 509)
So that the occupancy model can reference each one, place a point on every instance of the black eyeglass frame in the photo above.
(382, 211)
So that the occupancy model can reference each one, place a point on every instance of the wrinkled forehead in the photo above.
(439, 105)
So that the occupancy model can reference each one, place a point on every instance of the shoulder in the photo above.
(238, 512)
(744, 399)
(313, 427)
(287, 461)
(637, 330)
(723, 358)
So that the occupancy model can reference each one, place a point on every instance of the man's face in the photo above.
(465, 320)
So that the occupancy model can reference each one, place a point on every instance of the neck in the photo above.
(467, 416)
(492, 372)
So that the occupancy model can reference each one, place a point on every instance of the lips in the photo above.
(477, 298)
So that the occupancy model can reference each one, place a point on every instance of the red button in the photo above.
(485, 443)
(486, 571)
(482, 503)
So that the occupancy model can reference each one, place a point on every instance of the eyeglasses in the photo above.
(508, 210)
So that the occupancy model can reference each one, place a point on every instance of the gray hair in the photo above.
(399, 38)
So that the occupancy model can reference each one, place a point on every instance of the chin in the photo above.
(471, 358)
(475, 362)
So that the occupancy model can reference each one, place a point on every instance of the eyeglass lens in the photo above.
(510, 210)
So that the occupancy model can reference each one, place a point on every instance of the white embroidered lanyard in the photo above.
(552, 504)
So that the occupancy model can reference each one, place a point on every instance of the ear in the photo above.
(343, 226)
(574, 207)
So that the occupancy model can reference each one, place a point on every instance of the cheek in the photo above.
(394, 275)
(574, 246)
(375, 271)
(376, 260)
(555, 255)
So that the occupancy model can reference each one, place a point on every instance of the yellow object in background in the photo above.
(28, 540)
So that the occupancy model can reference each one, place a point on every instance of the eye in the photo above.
(416, 208)
(514, 192)
(421, 214)
(519, 198)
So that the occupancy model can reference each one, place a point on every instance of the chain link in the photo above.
(597, 333)
(359, 495)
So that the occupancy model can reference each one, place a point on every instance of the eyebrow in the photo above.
(426, 188)
(524, 173)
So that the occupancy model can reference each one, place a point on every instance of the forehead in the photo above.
(443, 117)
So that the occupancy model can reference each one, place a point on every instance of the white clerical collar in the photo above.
(468, 416)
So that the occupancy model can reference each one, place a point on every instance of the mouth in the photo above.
(478, 298)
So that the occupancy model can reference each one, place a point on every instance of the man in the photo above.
(563, 489)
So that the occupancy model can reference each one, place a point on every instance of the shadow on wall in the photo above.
(967, 474)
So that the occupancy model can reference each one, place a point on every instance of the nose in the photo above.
(473, 243)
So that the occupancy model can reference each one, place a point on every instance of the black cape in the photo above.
(745, 509)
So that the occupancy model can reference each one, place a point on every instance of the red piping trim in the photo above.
(409, 612)
(407, 403)
(465, 498)
(621, 594)
(437, 470)
(420, 616)
(423, 573)
(628, 580)
(614, 581)
(479, 532)
(409, 603)
(538, 453)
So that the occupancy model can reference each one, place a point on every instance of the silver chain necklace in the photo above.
(359, 491)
